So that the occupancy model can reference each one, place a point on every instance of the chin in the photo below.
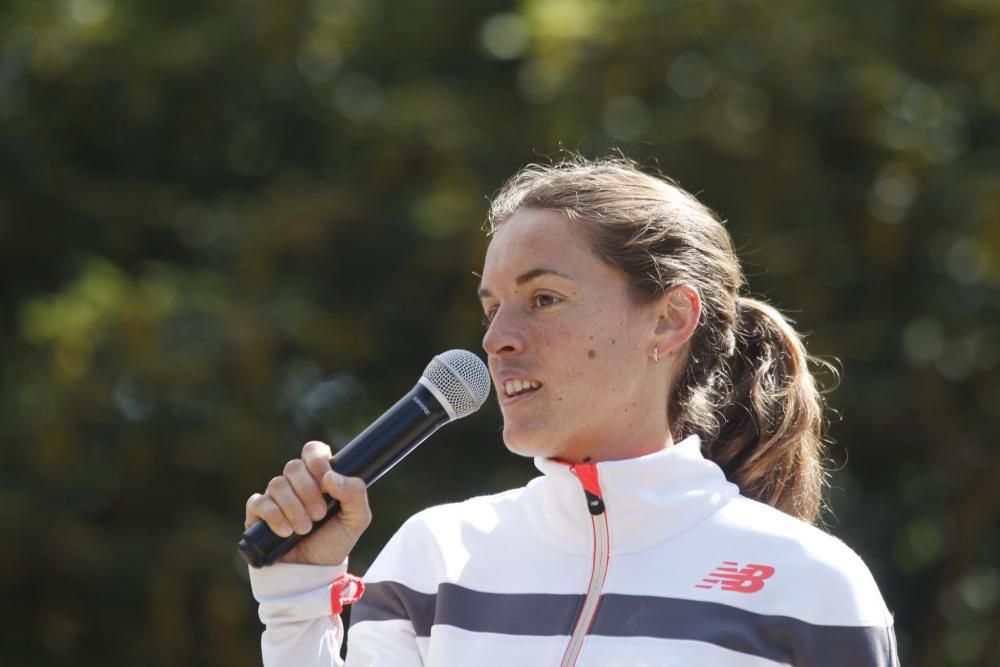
(528, 444)
(528, 452)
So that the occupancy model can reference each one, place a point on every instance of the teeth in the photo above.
(515, 387)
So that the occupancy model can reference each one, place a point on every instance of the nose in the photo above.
(505, 335)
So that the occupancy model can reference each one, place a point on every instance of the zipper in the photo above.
(587, 474)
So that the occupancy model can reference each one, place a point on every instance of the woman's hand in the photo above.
(292, 501)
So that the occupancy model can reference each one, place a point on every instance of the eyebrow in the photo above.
(527, 277)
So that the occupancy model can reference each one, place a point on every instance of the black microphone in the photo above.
(454, 385)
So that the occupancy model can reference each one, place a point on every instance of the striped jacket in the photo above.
(650, 561)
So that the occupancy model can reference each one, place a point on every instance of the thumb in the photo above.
(352, 494)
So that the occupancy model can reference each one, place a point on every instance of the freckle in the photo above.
(591, 353)
(591, 338)
(612, 341)
(586, 459)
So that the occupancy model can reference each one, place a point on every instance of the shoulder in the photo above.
(840, 587)
(446, 525)
(481, 512)
(440, 536)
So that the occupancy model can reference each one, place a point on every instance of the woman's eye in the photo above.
(545, 300)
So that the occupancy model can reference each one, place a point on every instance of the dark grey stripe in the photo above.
(387, 601)
(778, 638)
(536, 614)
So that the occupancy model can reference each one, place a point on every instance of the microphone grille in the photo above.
(461, 378)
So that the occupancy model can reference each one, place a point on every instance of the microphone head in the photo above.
(460, 380)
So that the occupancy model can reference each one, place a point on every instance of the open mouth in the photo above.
(512, 388)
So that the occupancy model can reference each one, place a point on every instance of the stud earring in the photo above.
(656, 354)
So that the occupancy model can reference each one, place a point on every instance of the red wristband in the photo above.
(345, 589)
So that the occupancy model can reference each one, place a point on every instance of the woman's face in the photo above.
(569, 351)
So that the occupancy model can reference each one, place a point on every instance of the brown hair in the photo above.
(747, 389)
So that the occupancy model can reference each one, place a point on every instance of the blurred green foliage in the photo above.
(226, 228)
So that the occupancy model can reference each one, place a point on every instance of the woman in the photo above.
(678, 428)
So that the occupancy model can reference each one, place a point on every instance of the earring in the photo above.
(656, 354)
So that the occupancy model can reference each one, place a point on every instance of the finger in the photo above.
(281, 492)
(306, 488)
(251, 516)
(265, 509)
(317, 458)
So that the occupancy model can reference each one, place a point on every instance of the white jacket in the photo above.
(661, 562)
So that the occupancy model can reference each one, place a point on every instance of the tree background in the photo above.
(226, 228)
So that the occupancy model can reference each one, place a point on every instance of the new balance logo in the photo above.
(731, 577)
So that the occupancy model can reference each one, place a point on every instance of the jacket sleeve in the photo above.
(295, 607)
(881, 647)
(390, 622)
(863, 635)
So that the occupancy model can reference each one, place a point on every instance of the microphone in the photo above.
(454, 385)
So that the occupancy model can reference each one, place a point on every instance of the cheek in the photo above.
(585, 351)
(568, 364)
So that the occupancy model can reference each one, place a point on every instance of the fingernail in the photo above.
(284, 529)
(317, 512)
(303, 528)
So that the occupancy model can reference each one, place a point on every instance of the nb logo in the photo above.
(731, 577)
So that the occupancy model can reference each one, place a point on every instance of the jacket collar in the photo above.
(648, 499)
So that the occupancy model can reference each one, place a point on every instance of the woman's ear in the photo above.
(678, 312)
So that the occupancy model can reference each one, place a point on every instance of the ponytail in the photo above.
(770, 435)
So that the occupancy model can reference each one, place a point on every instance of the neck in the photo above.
(615, 450)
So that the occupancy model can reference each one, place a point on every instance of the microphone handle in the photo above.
(369, 456)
